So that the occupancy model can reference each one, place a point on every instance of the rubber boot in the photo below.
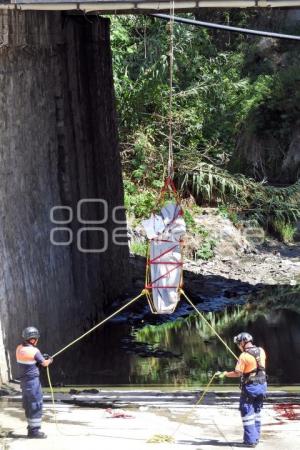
(36, 435)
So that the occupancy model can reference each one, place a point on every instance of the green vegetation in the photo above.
(231, 99)
(206, 251)
(138, 202)
(266, 204)
(285, 231)
(226, 212)
(138, 248)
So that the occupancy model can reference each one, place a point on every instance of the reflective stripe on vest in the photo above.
(25, 355)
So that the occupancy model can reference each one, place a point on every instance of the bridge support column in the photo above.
(58, 145)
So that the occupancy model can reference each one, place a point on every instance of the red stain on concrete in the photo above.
(288, 411)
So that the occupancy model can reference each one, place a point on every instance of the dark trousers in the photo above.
(32, 397)
(251, 403)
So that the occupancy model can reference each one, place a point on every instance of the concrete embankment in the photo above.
(141, 414)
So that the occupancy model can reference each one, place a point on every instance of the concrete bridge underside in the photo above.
(141, 6)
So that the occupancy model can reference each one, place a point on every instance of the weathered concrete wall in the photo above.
(58, 144)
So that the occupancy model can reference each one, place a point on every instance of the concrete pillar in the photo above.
(58, 145)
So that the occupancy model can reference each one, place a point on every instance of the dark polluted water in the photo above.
(183, 351)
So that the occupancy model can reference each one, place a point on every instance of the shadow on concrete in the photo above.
(213, 442)
(13, 435)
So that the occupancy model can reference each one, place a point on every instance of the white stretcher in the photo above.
(164, 265)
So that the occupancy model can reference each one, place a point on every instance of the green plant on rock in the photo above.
(139, 248)
(206, 250)
(227, 213)
(211, 98)
(189, 220)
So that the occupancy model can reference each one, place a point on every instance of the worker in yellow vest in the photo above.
(251, 369)
(29, 358)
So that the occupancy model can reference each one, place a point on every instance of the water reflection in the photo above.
(184, 351)
(272, 317)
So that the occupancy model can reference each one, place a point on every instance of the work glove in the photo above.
(221, 375)
(46, 356)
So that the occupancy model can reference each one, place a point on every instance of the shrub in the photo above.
(206, 251)
(139, 248)
(140, 204)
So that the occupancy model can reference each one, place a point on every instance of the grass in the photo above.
(285, 231)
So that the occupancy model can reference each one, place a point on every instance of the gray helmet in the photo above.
(30, 333)
(242, 338)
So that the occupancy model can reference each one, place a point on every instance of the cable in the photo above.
(216, 26)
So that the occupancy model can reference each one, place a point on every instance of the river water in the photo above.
(182, 351)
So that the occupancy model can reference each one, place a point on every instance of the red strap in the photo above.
(165, 274)
(163, 253)
(165, 262)
(168, 182)
(149, 286)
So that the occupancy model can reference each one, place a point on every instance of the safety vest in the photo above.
(25, 354)
(258, 375)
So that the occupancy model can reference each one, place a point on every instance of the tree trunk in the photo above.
(58, 146)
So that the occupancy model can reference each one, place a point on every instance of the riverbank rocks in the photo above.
(229, 239)
(238, 262)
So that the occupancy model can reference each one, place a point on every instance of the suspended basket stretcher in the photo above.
(164, 268)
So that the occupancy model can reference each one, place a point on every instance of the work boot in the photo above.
(36, 435)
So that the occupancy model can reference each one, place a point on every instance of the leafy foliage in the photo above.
(138, 203)
(210, 97)
(206, 251)
(267, 204)
(217, 92)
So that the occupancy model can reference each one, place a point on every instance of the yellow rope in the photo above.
(197, 403)
(99, 324)
(170, 438)
(78, 339)
(52, 395)
(146, 293)
(208, 324)
(160, 438)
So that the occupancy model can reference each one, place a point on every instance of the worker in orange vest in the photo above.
(29, 358)
(251, 368)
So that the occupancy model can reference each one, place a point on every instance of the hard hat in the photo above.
(242, 338)
(30, 333)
